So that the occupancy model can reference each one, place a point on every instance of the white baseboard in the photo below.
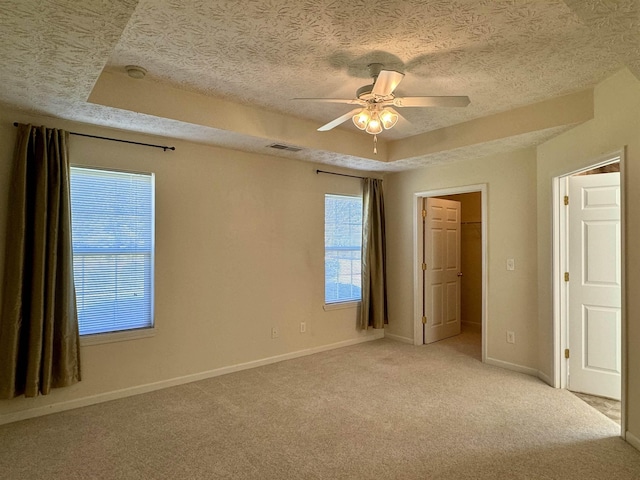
(545, 378)
(512, 366)
(398, 338)
(632, 439)
(172, 382)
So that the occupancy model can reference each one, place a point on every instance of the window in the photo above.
(342, 248)
(113, 233)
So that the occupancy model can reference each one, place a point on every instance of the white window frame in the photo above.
(137, 333)
(339, 304)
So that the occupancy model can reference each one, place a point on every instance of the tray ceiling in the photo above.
(255, 56)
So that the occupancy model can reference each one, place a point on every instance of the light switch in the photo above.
(511, 264)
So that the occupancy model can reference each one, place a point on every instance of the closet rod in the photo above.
(165, 148)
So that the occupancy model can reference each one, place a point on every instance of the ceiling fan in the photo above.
(375, 111)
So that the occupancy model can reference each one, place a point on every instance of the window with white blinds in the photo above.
(342, 248)
(113, 248)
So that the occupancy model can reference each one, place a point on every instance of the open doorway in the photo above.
(588, 287)
(472, 266)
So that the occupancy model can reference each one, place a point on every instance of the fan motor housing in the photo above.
(364, 92)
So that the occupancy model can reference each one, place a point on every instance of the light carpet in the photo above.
(380, 410)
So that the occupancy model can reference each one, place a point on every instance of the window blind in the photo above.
(343, 248)
(113, 249)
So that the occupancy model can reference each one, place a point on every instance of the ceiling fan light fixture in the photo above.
(388, 118)
(361, 119)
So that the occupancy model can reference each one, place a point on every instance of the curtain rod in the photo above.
(340, 174)
(165, 148)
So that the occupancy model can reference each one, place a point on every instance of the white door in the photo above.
(442, 269)
(595, 285)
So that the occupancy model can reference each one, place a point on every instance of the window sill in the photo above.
(100, 338)
(340, 305)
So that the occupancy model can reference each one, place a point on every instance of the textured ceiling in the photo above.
(500, 53)
(263, 53)
(52, 52)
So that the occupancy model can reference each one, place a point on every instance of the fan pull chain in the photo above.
(375, 144)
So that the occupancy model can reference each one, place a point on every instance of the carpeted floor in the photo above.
(380, 410)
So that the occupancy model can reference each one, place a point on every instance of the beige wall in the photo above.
(470, 256)
(511, 195)
(239, 249)
(616, 125)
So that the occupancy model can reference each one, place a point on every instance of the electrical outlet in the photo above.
(511, 337)
(275, 333)
(303, 327)
(511, 264)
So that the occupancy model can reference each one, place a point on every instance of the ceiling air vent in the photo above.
(288, 148)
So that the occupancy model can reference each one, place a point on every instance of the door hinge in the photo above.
(566, 276)
(566, 199)
(424, 214)
(566, 353)
(424, 320)
(424, 267)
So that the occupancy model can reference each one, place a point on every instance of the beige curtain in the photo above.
(39, 342)
(374, 270)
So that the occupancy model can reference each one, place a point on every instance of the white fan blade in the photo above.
(339, 120)
(431, 101)
(350, 101)
(386, 82)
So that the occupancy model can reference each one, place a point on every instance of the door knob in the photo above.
(459, 274)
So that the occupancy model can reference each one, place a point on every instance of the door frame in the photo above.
(560, 304)
(417, 256)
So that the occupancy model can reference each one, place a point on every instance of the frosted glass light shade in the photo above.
(361, 119)
(388, 118)
(374, 126)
